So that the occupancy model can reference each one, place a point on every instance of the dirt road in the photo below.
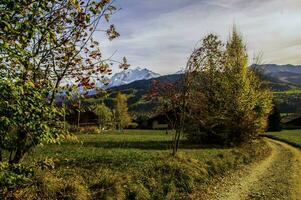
(276, 177)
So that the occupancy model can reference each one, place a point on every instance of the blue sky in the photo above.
(161, 34)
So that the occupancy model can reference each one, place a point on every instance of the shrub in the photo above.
(14, 175)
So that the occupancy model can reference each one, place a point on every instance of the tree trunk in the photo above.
(178, 141)
(64, 108)
(20, 151)
(175, 143)
(78, 115)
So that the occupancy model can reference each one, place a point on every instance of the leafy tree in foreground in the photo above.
(122, 117)
(43, 46)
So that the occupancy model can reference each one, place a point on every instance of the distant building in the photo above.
(158, 122)
(86, 118)
(161, 121)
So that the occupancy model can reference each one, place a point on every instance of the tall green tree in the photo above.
(248, 101)
(122, 116)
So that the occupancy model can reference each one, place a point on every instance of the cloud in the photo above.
(160, 34)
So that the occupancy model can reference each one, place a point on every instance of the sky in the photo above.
(161, 34)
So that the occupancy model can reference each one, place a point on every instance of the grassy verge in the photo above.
(132, 165)
(292, 137)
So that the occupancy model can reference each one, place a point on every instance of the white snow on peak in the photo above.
(130, 75)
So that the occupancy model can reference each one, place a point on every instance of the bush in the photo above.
(14, 175)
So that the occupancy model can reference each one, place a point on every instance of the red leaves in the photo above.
(124, 65)
(165, 90)
(85, 82)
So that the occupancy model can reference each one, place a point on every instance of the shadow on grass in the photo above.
(148, 145)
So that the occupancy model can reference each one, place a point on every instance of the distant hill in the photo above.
(282, 74)
(137, 92)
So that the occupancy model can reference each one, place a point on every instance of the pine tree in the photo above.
(248, 103)
(236, 54)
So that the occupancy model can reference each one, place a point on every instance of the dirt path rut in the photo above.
(276, 177)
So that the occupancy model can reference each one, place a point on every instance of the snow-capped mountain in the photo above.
(131, 75)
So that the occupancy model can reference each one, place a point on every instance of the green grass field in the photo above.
(119, 150)
(136, 164)
(291, 136)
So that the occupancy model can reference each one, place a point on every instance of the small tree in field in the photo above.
(169, 95)
(104, 115)
(122, 117)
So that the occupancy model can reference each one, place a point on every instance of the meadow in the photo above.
(291, 91)
(292, 137)
(135, 164)
(118, 150)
